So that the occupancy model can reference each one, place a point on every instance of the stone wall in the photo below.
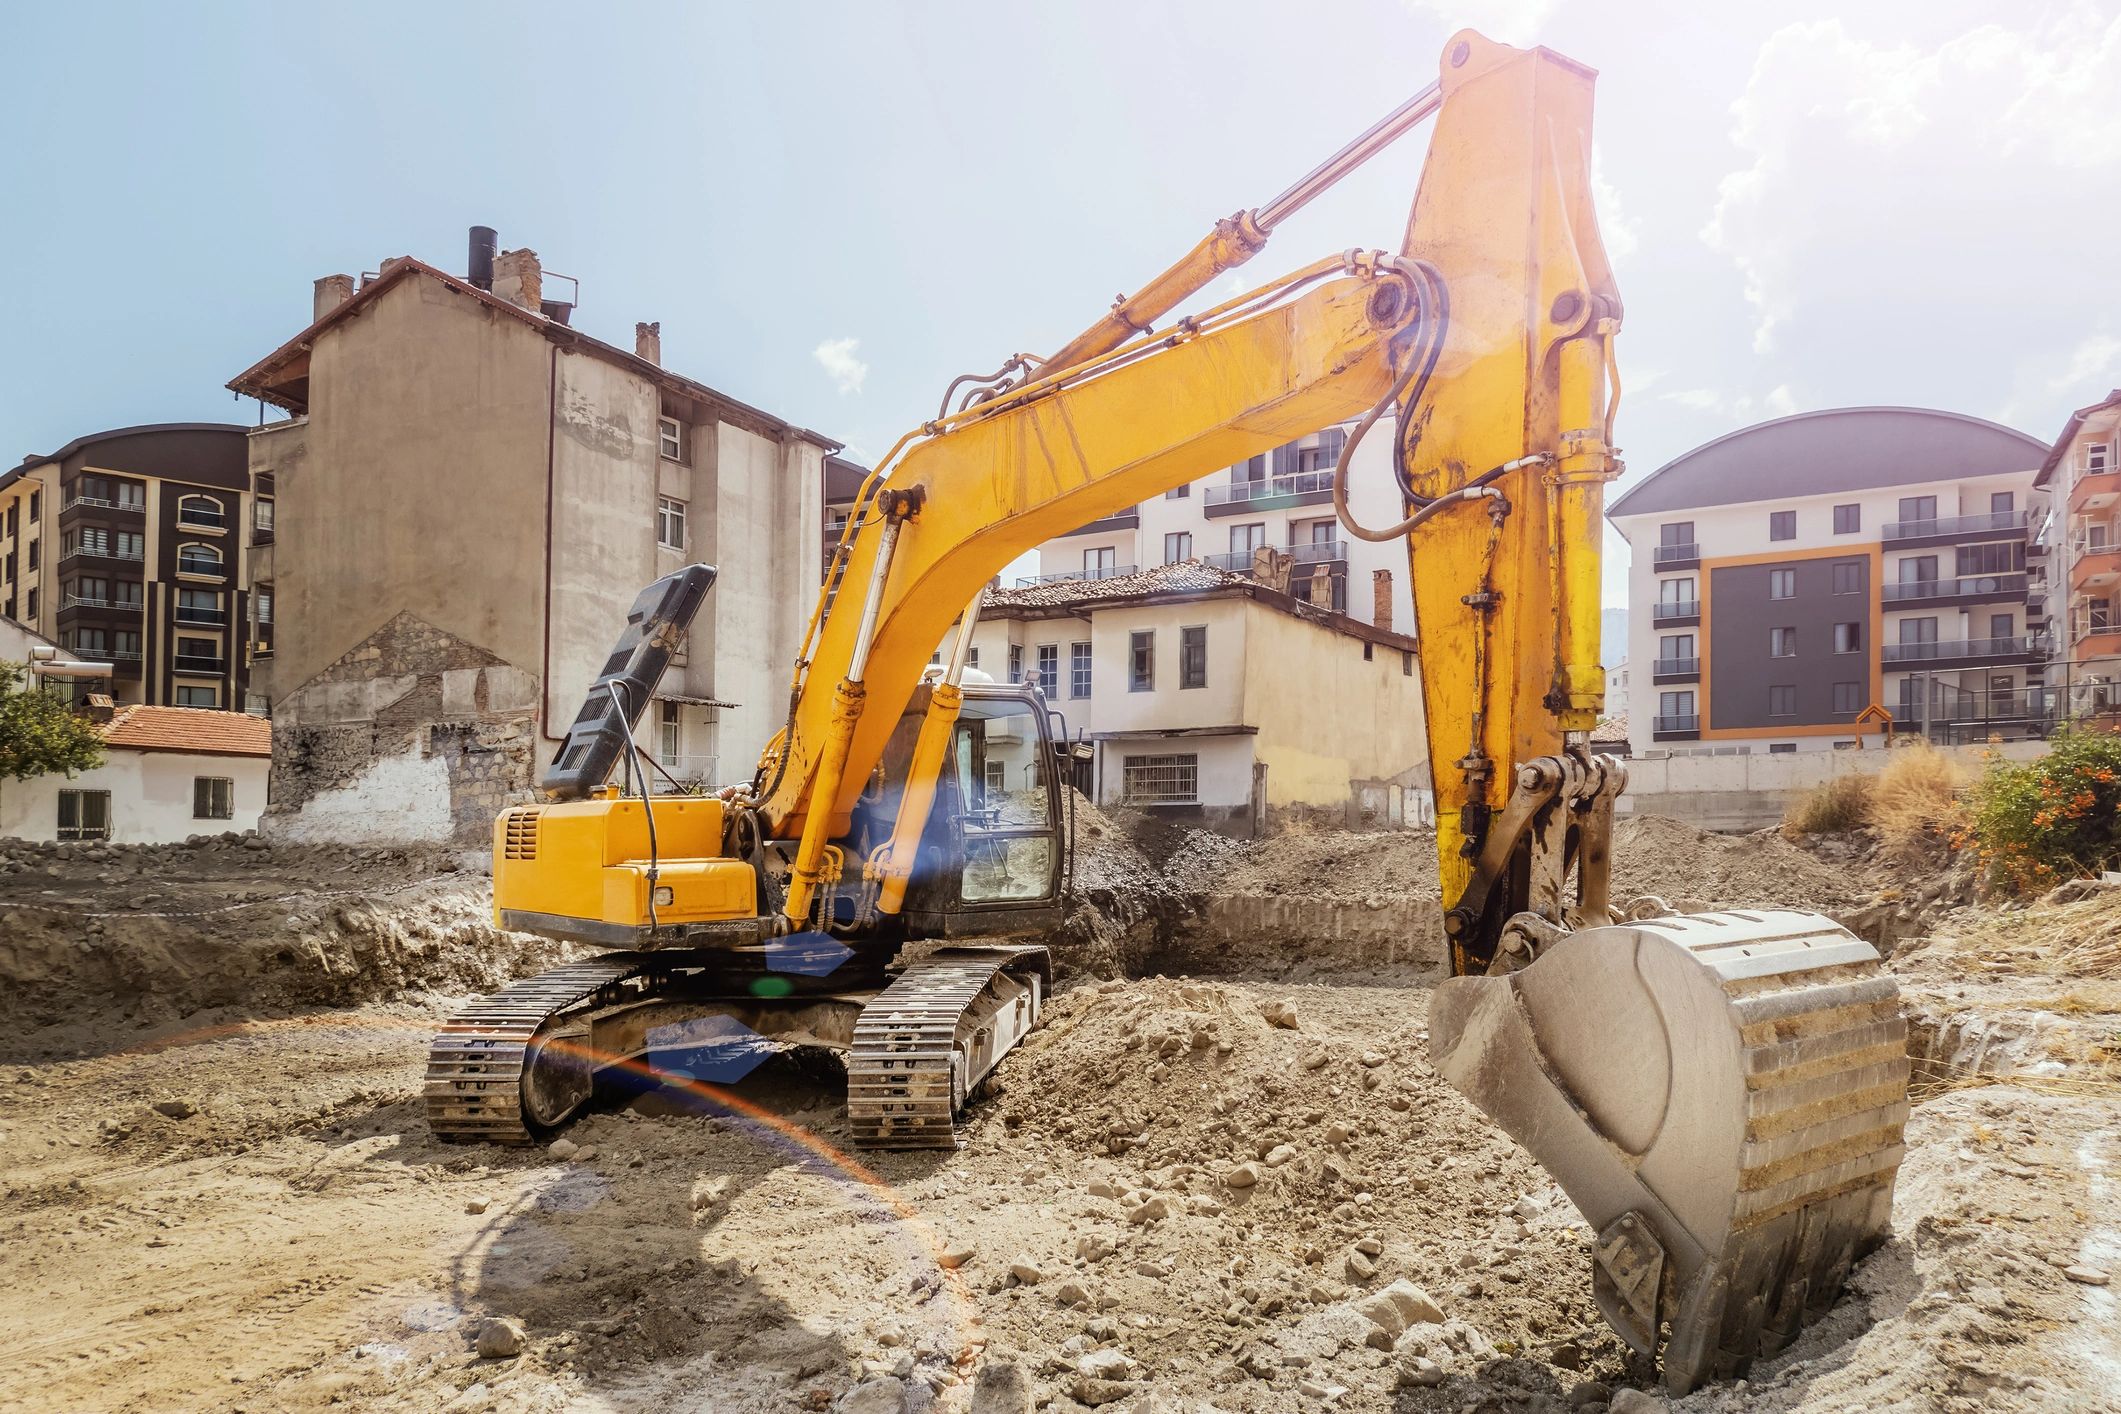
(413, 736)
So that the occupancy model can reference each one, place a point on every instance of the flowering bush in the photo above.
(2036, 823)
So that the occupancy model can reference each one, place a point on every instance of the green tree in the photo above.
(39, 733)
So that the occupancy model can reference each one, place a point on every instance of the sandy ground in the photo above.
(1172, 1203)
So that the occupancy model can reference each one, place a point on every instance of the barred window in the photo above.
(213, 798)
(1162, 780)
(84, 814)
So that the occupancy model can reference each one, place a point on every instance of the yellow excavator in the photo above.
(1721, 1095)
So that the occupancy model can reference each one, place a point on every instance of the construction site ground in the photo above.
(1187, 1191)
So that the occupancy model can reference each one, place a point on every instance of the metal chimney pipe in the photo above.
(478, 268)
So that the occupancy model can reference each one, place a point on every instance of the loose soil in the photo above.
(1179, 1195)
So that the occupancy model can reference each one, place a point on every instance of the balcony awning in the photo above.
(682, 700)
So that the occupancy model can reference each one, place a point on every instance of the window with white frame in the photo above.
(262, 597)
(669, 523)
(204, 511)
(261, 514)
(1178, 545)
(1244, 539)
(198, 559)
(213, 798)
(84, 814)
(2098, 458)
(192, 695)
(1100, 562)
(1078, 670)
(1049, 669)
(1172, 779)
(669, 732)
(671, 438)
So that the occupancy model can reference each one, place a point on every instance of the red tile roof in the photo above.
(193, 729)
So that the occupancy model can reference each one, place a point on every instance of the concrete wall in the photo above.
(1753, 792)
(151, 796)
(1327, 716)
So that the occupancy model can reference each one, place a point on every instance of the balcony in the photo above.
(205, 618)
(201, 518)
(1127, 519)
(2094, 491)
(212, 569)
(1995, 525)
(125, 662)
(1325, 552)
(112, 557)
(1676, 557)
(98, 503)
(1962, 589)
(1684, 727)
(1032, 581)
(199, 664)
(2024, 648)
(2094, 566)
(1269, 493)
(1675, 670)
(1676, 611)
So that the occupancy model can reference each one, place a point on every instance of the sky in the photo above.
(835, 208)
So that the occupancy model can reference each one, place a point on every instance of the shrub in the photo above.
(1831, 808)
(1915, 803)
(2058, 817)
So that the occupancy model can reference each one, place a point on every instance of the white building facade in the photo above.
(167, 773)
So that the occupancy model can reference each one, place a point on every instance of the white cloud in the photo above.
(1509, 21)
(1695, 398)
(836, 357)
(1780, 401)
(2050, 383)
(1622, 234)
(1854, 146)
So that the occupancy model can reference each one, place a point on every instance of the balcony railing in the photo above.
(1958, 586)
(205, 617)
(201, 566)
(82, 601)
(193, 663)
(1685, 722)
(689, 769)
(1964, 648)
(1667, 669)
(1689, 553)
(102, 555)
(204, 519)
(1323, 552)
(109, 655)
(1109, 572)
(1668, 610)
(1300, 483)
(1955, 525)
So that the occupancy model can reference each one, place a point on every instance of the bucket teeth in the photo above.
(1735, 1083)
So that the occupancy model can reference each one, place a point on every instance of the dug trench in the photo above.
(1219, 1175)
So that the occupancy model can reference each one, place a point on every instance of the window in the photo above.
(1180, 492)
(1848, 638)
(1677, 532)
(33, 606)
(1918, 569)
(1675, 647)
(1016, 662)
(213, 798)
(262, 598)
(132, 495)
(2001, 502)
(199, 652)
(132, 545)
(1782, 584)
(1251, 470)
(1781, 748)
(200, 511)
(84, 814)
(1078, 670)
(198, 559)
(12, 523)
(1848, 576)
(1178, 545)
(1141, 660)
(261, 515)
(670, 438)
(1918, 630)
(1782, 700)
(90, 640)
(1100, 563)
(1322, 456)
(36, 545)
(2002, 625)
(1161, 780)
(1917, 508)
(125, 643)
(997, 777)
(1848, 698)
(1675, 704)
(188, 696)
(87, 589)
(82, 540)
(972, 658)
(670, 732)
(1675, 591)
(1244, 539)
(1406, 663)
(2098, 615)
(669, 523)
(2098, 459)
(1848, 519)
(36, 498)
(1049, 669)
(199, 606)
(1782, 642)
(1782, 525)
(1193, 656)
(1995, 558)
(126, 593)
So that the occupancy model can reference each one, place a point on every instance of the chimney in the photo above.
(332, 291)
(519, 279)
(648, 342)
(1381, 598)
(478, 266)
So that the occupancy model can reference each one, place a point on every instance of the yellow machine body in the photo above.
(581, 868)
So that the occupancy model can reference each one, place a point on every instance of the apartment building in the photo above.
(469, 493)
(842, 483)
(136, 547)
(1282, 500)
(1208, 696)
(2082, 476)
(1787, 577)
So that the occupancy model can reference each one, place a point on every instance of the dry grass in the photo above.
(1832, 808)
(1914, 803)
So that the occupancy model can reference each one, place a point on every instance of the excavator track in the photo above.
(918, 1048)
(475, 1064)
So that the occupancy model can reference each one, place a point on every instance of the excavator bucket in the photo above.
(1722, 1096)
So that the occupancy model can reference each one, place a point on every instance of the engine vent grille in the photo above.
(519, 834)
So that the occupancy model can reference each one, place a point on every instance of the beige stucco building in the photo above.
(470, 492)
(1211, 696)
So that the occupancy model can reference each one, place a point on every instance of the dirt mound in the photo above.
(1689, 867)
(1341, 865)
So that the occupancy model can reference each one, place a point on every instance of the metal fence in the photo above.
(2074, 694)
